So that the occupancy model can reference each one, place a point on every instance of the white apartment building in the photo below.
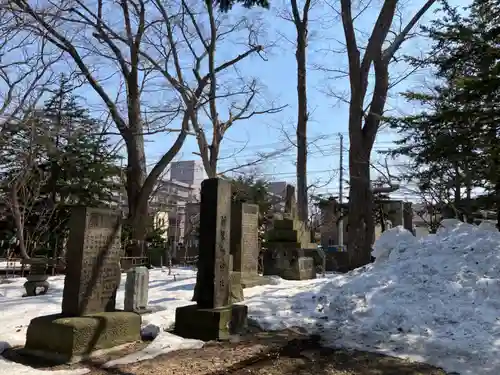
(190, 172)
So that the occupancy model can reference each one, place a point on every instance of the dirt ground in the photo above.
(263, 353)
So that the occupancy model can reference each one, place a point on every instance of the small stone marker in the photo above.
(213, 317)
(37, 278)
(136, 290)
(92, 261)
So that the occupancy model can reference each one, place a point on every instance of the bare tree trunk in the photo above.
(361, 223)
(139, 184)
(19, 222)
(301, 25)
(364, 123)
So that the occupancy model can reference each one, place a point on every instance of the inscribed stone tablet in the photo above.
(213, 261)
(250, 238)
(92, 261)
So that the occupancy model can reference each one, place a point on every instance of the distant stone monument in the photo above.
(245, 243)
(88, 321)
(213, 317)
(289, 240)
(36, 283)
(136, 290)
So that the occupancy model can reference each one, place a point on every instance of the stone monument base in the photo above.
(70, 339)
(31, 288)
(210, 324)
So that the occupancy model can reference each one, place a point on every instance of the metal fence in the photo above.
(13, 267)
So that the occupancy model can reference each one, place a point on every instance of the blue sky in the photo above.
(328, 115)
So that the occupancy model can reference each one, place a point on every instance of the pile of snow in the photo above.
(435, 300)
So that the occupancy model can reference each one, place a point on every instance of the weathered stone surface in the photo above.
(67, 338)
(290, 202)
(92, 261)
(212, 290)
(36, 288)
(136, 290)
(36, 283)
(210, 324)
(301, 268)
(285, 263)
(245, 237)
(236, 288)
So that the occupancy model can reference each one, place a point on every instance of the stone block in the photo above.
(92, 261)
(136, 290)
(68, 339)
(245, 236)
(33, 288)
(212, 278)
(236, 289)
(287, 224)
(210, 324)
(301, 268)
(284, 235)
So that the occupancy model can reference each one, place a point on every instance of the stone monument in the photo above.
(136, 290)
(88, 321)
(213, 317)
(245, 243)
(289, 240)
(37, 278)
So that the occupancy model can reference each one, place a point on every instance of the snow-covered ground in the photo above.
(434, 299)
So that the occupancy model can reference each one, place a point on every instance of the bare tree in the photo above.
(364, 120)
(300, 19)
(203, 32)
(91, 32)
(26, 70)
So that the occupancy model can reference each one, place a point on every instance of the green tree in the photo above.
(453, 141)
(59, 158)
(252, 189)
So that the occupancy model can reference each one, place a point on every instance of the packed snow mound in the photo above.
(436, 299)
(488, 225)
(392, 239)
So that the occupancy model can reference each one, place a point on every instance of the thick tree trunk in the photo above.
(301, 25)
(361, 225)
(302, 127)
(138, 209)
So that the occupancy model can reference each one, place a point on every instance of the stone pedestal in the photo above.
(63, 339)
(210, 324)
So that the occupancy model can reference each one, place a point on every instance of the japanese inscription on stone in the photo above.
(221, 272)
(213, 262)
(250, 238)
(93, 261)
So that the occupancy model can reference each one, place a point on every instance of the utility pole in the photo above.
(340, 224)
